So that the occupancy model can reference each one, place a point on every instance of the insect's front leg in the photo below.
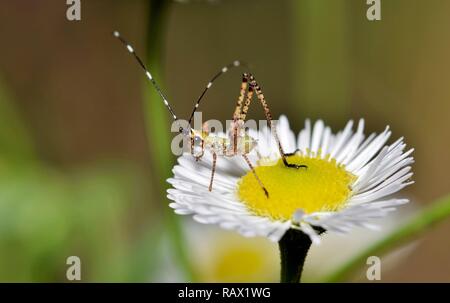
(199, 156)
(194, 153)
(213, 170)
(234, 133)
(235, 136)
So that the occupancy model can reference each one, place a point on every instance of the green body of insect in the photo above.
(220, 144)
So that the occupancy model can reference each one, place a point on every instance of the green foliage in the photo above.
(15, 142)
(47, 215)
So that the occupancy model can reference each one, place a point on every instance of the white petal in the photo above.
(286, 135)
(341, 139)
(317, 135)
(304, 137)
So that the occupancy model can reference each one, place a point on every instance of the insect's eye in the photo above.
(196, 140)
(197, 146)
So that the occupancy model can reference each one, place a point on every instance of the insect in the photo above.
(237, 142)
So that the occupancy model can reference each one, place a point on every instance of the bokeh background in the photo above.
(84, 143)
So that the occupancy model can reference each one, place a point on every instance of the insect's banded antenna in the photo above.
(147, 72)
(224, 69)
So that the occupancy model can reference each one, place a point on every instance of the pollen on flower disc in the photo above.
(322, 186)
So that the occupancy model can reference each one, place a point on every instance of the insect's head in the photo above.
(185, 131)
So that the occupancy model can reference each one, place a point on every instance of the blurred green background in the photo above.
(84, 147)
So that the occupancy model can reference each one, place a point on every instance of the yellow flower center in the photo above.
(232, 258)
(322, 186)
(239, 264)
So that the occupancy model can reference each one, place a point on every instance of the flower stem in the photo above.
(294, 247)
(158, 131)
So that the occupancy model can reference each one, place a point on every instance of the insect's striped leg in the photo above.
(224, 69)
(192, 145)
(238, 110)
(202, 148)
(247, 103)
(256, 176)
(245, 107)
(240, 100)
(235, 137)
(269, 118)
(213, 170)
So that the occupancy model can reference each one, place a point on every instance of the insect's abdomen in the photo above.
(223, 146)
(216, 144)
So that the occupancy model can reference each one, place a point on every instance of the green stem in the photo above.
(434, 214)
(294, 247)
(158, 129)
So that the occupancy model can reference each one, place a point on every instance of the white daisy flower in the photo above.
(348, 181)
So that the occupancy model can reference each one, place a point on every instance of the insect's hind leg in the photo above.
(256, 176)
(253, 84)
(292, 165)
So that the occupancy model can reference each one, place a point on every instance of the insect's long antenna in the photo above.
(224, 69)
(147, 73)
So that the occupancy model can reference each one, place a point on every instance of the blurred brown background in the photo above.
(79, 94)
